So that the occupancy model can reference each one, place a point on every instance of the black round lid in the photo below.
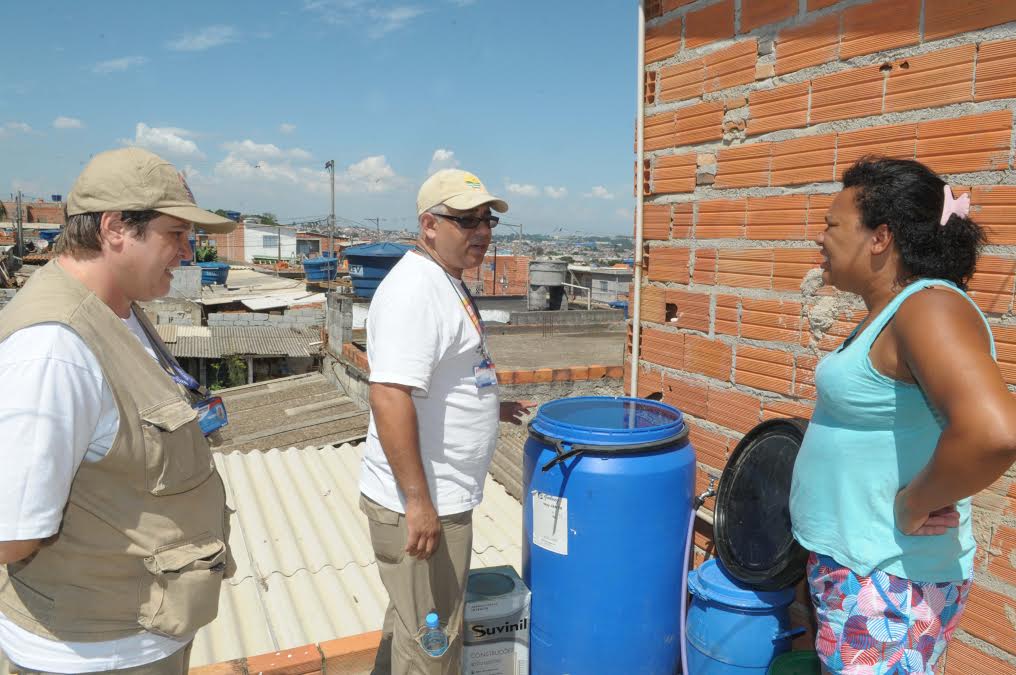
(751, 523)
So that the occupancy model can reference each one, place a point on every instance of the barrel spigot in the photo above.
(711, 492)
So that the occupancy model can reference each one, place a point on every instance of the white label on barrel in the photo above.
(550, 522)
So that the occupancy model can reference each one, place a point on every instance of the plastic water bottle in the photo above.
(434, 639)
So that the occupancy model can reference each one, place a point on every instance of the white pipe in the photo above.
(636, 328)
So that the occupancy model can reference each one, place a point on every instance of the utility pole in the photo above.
(278, 238)
(19, 247)
(377, 223)
(330, 165)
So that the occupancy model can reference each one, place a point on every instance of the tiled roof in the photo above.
(305, 568)
(212, 342)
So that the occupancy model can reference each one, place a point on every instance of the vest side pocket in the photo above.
(181, 593)
(177, 458)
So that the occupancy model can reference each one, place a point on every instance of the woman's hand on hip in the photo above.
(936, 522)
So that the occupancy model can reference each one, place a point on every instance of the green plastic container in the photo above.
(796, 663)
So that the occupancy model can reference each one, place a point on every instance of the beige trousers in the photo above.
(177, 663)
(417, 587)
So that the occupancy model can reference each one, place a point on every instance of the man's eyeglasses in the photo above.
(472, 222)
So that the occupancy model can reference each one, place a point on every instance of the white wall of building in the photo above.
(264, 241)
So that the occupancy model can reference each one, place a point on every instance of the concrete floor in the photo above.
(535, 350)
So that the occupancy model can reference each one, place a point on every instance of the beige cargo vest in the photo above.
(142, 541)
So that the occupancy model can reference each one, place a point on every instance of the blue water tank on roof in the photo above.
(370, 263)
(320, 269)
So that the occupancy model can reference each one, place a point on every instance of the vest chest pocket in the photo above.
(176, 452)
(182, 592)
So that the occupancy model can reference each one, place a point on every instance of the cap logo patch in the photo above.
(183, 181)
(473, 182)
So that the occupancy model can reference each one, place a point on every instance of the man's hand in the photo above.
(424, 530)
(512, 411)
(938, 521)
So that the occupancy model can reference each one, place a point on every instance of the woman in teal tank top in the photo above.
(912, 418)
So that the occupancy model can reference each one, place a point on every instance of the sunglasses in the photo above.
(472, 222)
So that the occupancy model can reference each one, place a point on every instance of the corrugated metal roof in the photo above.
(212, 342)
(272, 301)
(305, 567)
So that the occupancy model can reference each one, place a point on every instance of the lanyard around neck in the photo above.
(468, 304)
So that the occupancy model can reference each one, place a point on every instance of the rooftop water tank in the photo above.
(321, 269)
(547, 272)
(370, 263)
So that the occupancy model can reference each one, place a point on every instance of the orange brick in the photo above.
(732, 409)
(698, 123)
(682, 219)
(656, 221)
(674, 173)
(791, 265)
(930, 81)
(650, 381)
(727, 314)
(756, 13)
(614, 373)
(747, 268)
(351, 654)
(686, 395)
(720, 219)
(898, 141)
(948, 17)
(963, 659)
(771, 320)
(964, 144)
(804, 376)
(708, 357)
(711, 448)
(668, 264)
(743, 166)
(994, 208)
(1003, 554)
(810, 159)
(817, 207)
(841, 328)
(690, 309)
(1005, 345)
(234, 667)
(785, 409)
(781, 108)
(682, 81)
(671, 5)
(653, 304)
(298, 661)
(991, 287)
(732, 66)
(543, 375)
(713, 23)
(987, 617)
(663, 40)
(782, 217)
(809, 45)
(705, 266)
(658, 132)
(878, 26)
(845, 95)
(819, 4)
(767, 369)
(996, 70)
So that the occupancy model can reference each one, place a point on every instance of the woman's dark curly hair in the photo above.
(908, 197)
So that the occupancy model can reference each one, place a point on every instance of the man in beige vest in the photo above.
(113, 524)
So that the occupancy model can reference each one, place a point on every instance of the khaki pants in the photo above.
(177, 663)
(416, 587)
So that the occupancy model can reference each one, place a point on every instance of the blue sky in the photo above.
(251, 99)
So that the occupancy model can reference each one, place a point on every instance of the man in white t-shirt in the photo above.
(106, 469)
(434, 421)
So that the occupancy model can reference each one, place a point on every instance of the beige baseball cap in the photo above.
(456, 189)
(133, 179)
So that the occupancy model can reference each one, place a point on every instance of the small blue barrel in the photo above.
(734, 629)
(320, 269)
(213, 273)
(609, 487)
(370, 263)
(50, 235)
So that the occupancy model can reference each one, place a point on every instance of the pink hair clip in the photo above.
(961, 206)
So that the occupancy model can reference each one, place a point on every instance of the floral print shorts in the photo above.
(881, 624)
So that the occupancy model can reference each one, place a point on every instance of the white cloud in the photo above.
(19, 127)
(555, 192)
(287, 128)
(248, 149)
(599, 192)
(463, 3)
(379, 20)
(67, 123)
(442, 159)
(388, 20)
(118, 65)
(523, 189)
(371, 174)
(206, 38)
(168, 140)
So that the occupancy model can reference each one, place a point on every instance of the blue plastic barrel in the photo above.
(609, 486)
(320, 269)
(734, 629)
(370, 263)
(213, 273)
(620, 304)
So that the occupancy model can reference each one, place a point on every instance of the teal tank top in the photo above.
(869, 436)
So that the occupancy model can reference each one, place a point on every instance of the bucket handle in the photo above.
(790, 634)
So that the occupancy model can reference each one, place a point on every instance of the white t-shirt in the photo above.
(419, 335)
(57, 411)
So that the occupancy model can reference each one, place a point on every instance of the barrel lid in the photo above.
(608, 421)
(712, 581)
(752, 529)
(382, 250)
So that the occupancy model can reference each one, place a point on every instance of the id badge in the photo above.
(211, 414)
(485, 374)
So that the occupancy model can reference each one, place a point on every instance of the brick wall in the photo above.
(511, 269)
(753, 109)
(230, 245)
